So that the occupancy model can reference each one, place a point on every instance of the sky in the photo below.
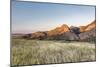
(28, 17)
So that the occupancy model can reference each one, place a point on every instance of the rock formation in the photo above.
(59, 30)
(67, 33)
(88, 27)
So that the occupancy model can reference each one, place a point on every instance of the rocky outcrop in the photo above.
(75, 30)
(59, 30)
(70, 34)
(88, 27)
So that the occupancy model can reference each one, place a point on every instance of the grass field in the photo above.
(26, 52)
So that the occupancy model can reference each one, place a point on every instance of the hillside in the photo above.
(88, 27)
(58, 30)
(64, 32)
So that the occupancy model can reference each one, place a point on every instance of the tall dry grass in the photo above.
(26, 52)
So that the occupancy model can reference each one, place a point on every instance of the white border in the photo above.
(89, 2)
(4, 33)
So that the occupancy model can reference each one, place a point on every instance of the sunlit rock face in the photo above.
(88, 27)
(59, 30)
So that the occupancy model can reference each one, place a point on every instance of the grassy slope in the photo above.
(25, 52)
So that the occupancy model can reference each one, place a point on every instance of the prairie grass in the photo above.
(26, 52)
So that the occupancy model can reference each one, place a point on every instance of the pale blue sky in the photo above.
(31, 16)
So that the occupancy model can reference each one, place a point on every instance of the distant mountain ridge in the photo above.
(88, 27)
(65, 32)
